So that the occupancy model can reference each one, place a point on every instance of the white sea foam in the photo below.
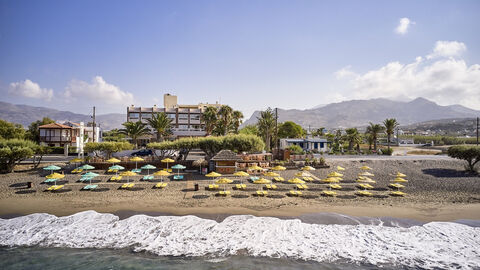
(436, 244)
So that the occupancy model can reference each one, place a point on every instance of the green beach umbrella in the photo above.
(86, 167)
(179, 167)
(148, 167)
(52, 168)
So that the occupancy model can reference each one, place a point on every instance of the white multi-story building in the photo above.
(186, 119)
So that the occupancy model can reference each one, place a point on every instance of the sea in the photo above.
(91, 240)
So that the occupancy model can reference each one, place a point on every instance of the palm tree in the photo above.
(209, 118)
(225, 114)
(134, 130)
(373, 131)
(161, 124)
(319, 132)
(390, 125)
(266, 126)
(353, 138)
(237, 120)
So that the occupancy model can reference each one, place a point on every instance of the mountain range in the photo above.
(25, 114)
(358, 113)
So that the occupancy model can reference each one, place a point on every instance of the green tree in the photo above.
(237, 118)
(390, 125)
(249, 130)
(161, 124)
(373, 130)
(290, 129)
(266, 126)
(319, 132)
(471, 154)
(209, 119)
(225, 116)
(10, 130)
(33, 133)
(13, 151)
(113, 135)
(295, 149)
(107, 147)
(353, 138)
(135, 130)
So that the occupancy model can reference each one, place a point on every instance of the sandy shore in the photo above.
(438, 190)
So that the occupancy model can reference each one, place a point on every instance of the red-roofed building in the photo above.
(56, 134)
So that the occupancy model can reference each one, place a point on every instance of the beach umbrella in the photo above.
(167, 160)
(296, 181)
(255, 168)
(399, 180)
(335, 174)
(128, 173)
(86, 167)
(52, 168)
(55, 177)
(366, 174)
(278, 168)
(340, 168)
(213, 174)
(90, 175)
(399, 174)
(331, 180)
(113, 160)
(262, 181)
(308, 168)
(136, 159)
(241, 174)
(116, 168)
(199, 163)
(179, 167)
(148, 167)
(302, 174)
(271, 174)
(223, 181)
(162, 173)
(365, 168)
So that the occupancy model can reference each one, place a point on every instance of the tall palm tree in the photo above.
(209, 118)
(237, 117)
(266, 126)
(225, 114)
(134, 130)
(390, 125)
(161, 124)
(352, 137)
(373, 131)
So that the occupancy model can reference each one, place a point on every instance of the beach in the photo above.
(438, 190)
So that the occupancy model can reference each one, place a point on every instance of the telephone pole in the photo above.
(478, 120)
(277, 141)
(93, 124)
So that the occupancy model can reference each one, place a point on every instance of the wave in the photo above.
(432, 245)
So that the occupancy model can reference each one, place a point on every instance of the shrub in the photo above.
(12, 151)
(107, 147)
(471, 154)
(295, 149)
(387, 151)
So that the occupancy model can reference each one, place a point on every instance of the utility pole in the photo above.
(277, 141)
(93, 140)
(478, 120)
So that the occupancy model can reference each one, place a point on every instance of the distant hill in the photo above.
(24, 115)
(357, 113)
(455, 126)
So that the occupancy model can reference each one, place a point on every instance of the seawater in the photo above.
(104, 241)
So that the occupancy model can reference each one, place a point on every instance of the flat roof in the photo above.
(307, 140)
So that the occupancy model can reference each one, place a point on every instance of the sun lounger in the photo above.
(127, 185)
(147, 177)
(302, 186)
(161, 185)
(271, 187)
(49, 180)
(90, 187)
(213, 187)
(241, 186)
(329, 193)
(364, 193)
(262, 193)
(307, 179)
(178, 177)
(365, 186)
(279, 179)
(397, 186)
(77, 170)
(295, 193)
(168, 170)
(112, 171)
(398, 193)
(335, 186)
(116, 178)
(223, 193)
(55, 187)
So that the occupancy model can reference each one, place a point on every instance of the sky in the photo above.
(72, 55)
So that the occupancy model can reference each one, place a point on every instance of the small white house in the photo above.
(307, 144)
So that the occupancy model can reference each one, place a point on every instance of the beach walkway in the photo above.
(190, 187)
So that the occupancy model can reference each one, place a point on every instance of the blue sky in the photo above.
(72, 55)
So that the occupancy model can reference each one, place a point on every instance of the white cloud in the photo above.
(403, 26)
(30, 89)
(99, 91)
(447, 49)
(446, 80)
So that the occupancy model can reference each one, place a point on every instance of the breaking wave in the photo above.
(432, 245)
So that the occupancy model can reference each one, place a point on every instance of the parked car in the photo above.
(143, 153)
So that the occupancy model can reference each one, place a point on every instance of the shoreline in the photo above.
(425, 212)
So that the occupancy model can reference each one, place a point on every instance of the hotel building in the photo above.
(186, 119)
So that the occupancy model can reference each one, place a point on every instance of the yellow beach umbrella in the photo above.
(213, 174)
(400, 180)
(278, 168)
(55, 176)
(340, 168)
(331, 180)
(271, 174)
(296, 181)
(241, 174)
(167, 160)
(76, 160)
(365, 168)
(302, 174)
(128, 173)
(255, 168)
(113, 160)
(308, 168)
(224, 181)
(366, 174)
(335, 174)
(399, 174)
(136, 159)
(161, 174)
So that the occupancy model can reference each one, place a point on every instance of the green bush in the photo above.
(107, 147)
(471, 154)
(387, 151)
(12, 151)
(295, 149)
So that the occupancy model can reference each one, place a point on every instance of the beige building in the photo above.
(186, 119)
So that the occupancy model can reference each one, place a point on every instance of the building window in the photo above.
(195, 117)
(134, 115)
(321, 145)
(183, 126)
(171, 115)
(183, 117)
(146, 115)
